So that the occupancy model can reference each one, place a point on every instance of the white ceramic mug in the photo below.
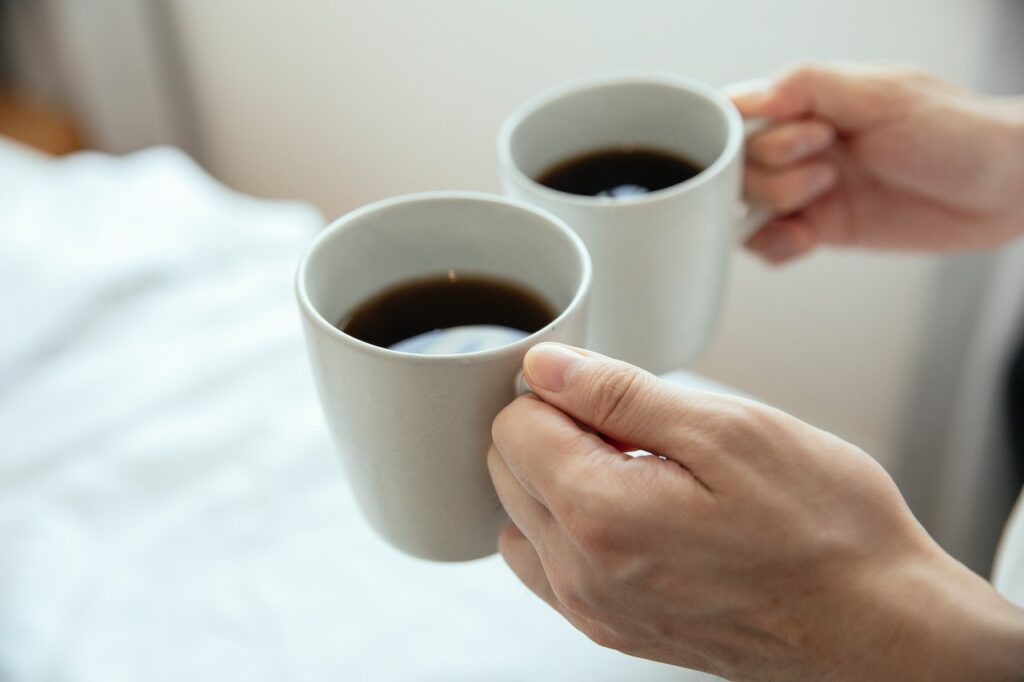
(660, 259)
(413, 430)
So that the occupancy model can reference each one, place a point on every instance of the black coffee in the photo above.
(619, 172)
(413, 310)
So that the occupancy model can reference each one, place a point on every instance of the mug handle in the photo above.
(751, 217)
(519, 385)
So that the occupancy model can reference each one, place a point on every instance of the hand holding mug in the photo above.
(754, 546)
(882, 157)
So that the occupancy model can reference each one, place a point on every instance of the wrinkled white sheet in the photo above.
(170, 507)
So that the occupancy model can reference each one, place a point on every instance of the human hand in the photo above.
(756, 547)
(882, 157)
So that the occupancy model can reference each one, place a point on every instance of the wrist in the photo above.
(946, 623)
(985, 631)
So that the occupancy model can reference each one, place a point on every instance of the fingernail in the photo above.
(821, 180)
(550, 366)
(805, 146)
(781, 245)
(817, 139)
(750, 96)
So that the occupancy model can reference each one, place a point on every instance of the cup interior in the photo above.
(400, 239)
(688, 120)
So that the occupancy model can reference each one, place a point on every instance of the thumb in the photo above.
(849, 96)
(613, 398)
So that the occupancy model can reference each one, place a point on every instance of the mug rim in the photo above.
(344, 221)
(733, 143)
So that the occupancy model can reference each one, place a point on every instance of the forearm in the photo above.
(949, 624)
(1007, 640)
(990, 638)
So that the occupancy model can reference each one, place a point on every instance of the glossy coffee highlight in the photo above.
(445, 301)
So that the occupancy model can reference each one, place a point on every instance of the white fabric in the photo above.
(170, 507)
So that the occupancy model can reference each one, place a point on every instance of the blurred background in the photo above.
(338, 103)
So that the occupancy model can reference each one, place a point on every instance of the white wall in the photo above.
(343, 102)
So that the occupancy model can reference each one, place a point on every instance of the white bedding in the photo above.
(170, 507)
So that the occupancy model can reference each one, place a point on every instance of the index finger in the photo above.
(750, 96)
(848, 96)
(545, 448)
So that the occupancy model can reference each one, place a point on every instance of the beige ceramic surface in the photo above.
(661, 259)
(413, 430)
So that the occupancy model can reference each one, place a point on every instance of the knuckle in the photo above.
(593, 597)
(741, 421)
(500, 423)
(815, 131)
(781, 193)
(758, 418)
(769, 187)
(598, 535)
(572, 598)
(576, 505)
(744, 415)
(611, 391)
(508, 538)
(781, 147)
(803, 138)
(769, 147)
(803, 73)
(602, 636)
(507, 421)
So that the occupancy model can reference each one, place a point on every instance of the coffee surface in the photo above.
(477, 306)
(618, 172)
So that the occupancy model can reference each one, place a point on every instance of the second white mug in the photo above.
(660, 259)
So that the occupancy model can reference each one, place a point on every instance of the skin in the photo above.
(883, 158)
(755, 546)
